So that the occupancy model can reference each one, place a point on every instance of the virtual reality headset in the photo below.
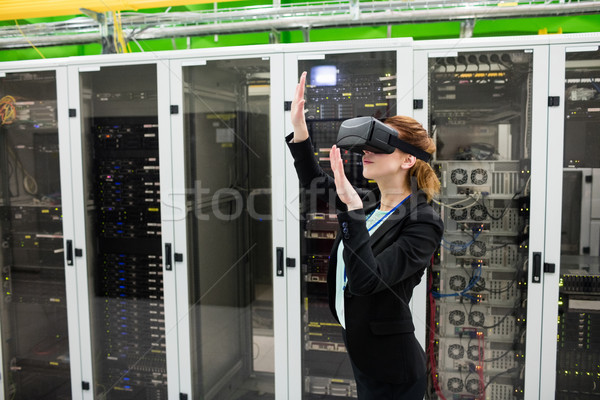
(368, 133)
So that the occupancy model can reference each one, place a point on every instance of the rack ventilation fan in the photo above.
(455, 385)
(477, 249)
(479, 176)
(459, 176)
(473, 353)
(458, 283)
(459, 213)
(479, 286)
(456, 317)
(458, 248)
(456, 351)
(478, 212)
(474, 386)
(476, 318)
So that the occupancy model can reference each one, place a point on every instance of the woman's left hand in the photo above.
(344, 188)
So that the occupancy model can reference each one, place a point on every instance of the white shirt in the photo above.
(340, 279)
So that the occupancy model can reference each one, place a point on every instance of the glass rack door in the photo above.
(338, 87)
(119, 126)
(229, 228)
(578, 330)
(480, 113)
(35, 342)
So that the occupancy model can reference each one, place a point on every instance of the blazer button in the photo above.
(344, 225)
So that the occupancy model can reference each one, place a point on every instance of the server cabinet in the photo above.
(339, 85)
(486, 111)
(115, 118)
(229, 242)
(36, 359)
(571, 318)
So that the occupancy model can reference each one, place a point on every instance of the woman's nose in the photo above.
(367, 152)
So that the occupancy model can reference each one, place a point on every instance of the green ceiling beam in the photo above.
(418, 31)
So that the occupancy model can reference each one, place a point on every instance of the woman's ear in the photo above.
(409, 161)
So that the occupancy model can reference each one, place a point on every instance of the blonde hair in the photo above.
(411, 131)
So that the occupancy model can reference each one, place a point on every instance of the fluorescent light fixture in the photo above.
(323, 75)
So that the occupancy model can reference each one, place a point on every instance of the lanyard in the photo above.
(373, 226)
(386, 215)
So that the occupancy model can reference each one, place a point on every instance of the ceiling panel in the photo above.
(19, 9)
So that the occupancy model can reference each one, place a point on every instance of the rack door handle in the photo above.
(168, 263)
(537, 267)
(279, 256)
(69, 252)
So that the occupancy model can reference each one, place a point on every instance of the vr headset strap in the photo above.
(409, 148)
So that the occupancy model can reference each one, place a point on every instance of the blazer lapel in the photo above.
(397, 217)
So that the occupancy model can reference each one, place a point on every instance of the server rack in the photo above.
(35, 340)
(480, 115)
(339, 86)
(577, 345)
(225, 235)
(123, 222)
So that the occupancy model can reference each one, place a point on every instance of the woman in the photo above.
(379, 256)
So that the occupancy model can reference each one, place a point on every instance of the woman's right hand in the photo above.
(298, 120)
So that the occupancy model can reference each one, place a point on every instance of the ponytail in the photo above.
(411, 131)
(427, 180)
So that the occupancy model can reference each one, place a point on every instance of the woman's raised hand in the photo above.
(298, 121)
(343, 187)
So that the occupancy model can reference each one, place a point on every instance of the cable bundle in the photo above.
(8, 111)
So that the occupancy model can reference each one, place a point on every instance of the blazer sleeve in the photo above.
(311, 175)
(409, 252)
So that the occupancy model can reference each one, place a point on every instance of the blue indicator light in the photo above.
(127, 387)
(121, 287)
(126, 379)
(121, 279)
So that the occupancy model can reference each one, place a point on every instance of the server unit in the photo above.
(578, 348)
(480, 118)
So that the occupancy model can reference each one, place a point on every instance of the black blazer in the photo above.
(382, 271)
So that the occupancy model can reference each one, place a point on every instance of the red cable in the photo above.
(481, 358)
(436, 384)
